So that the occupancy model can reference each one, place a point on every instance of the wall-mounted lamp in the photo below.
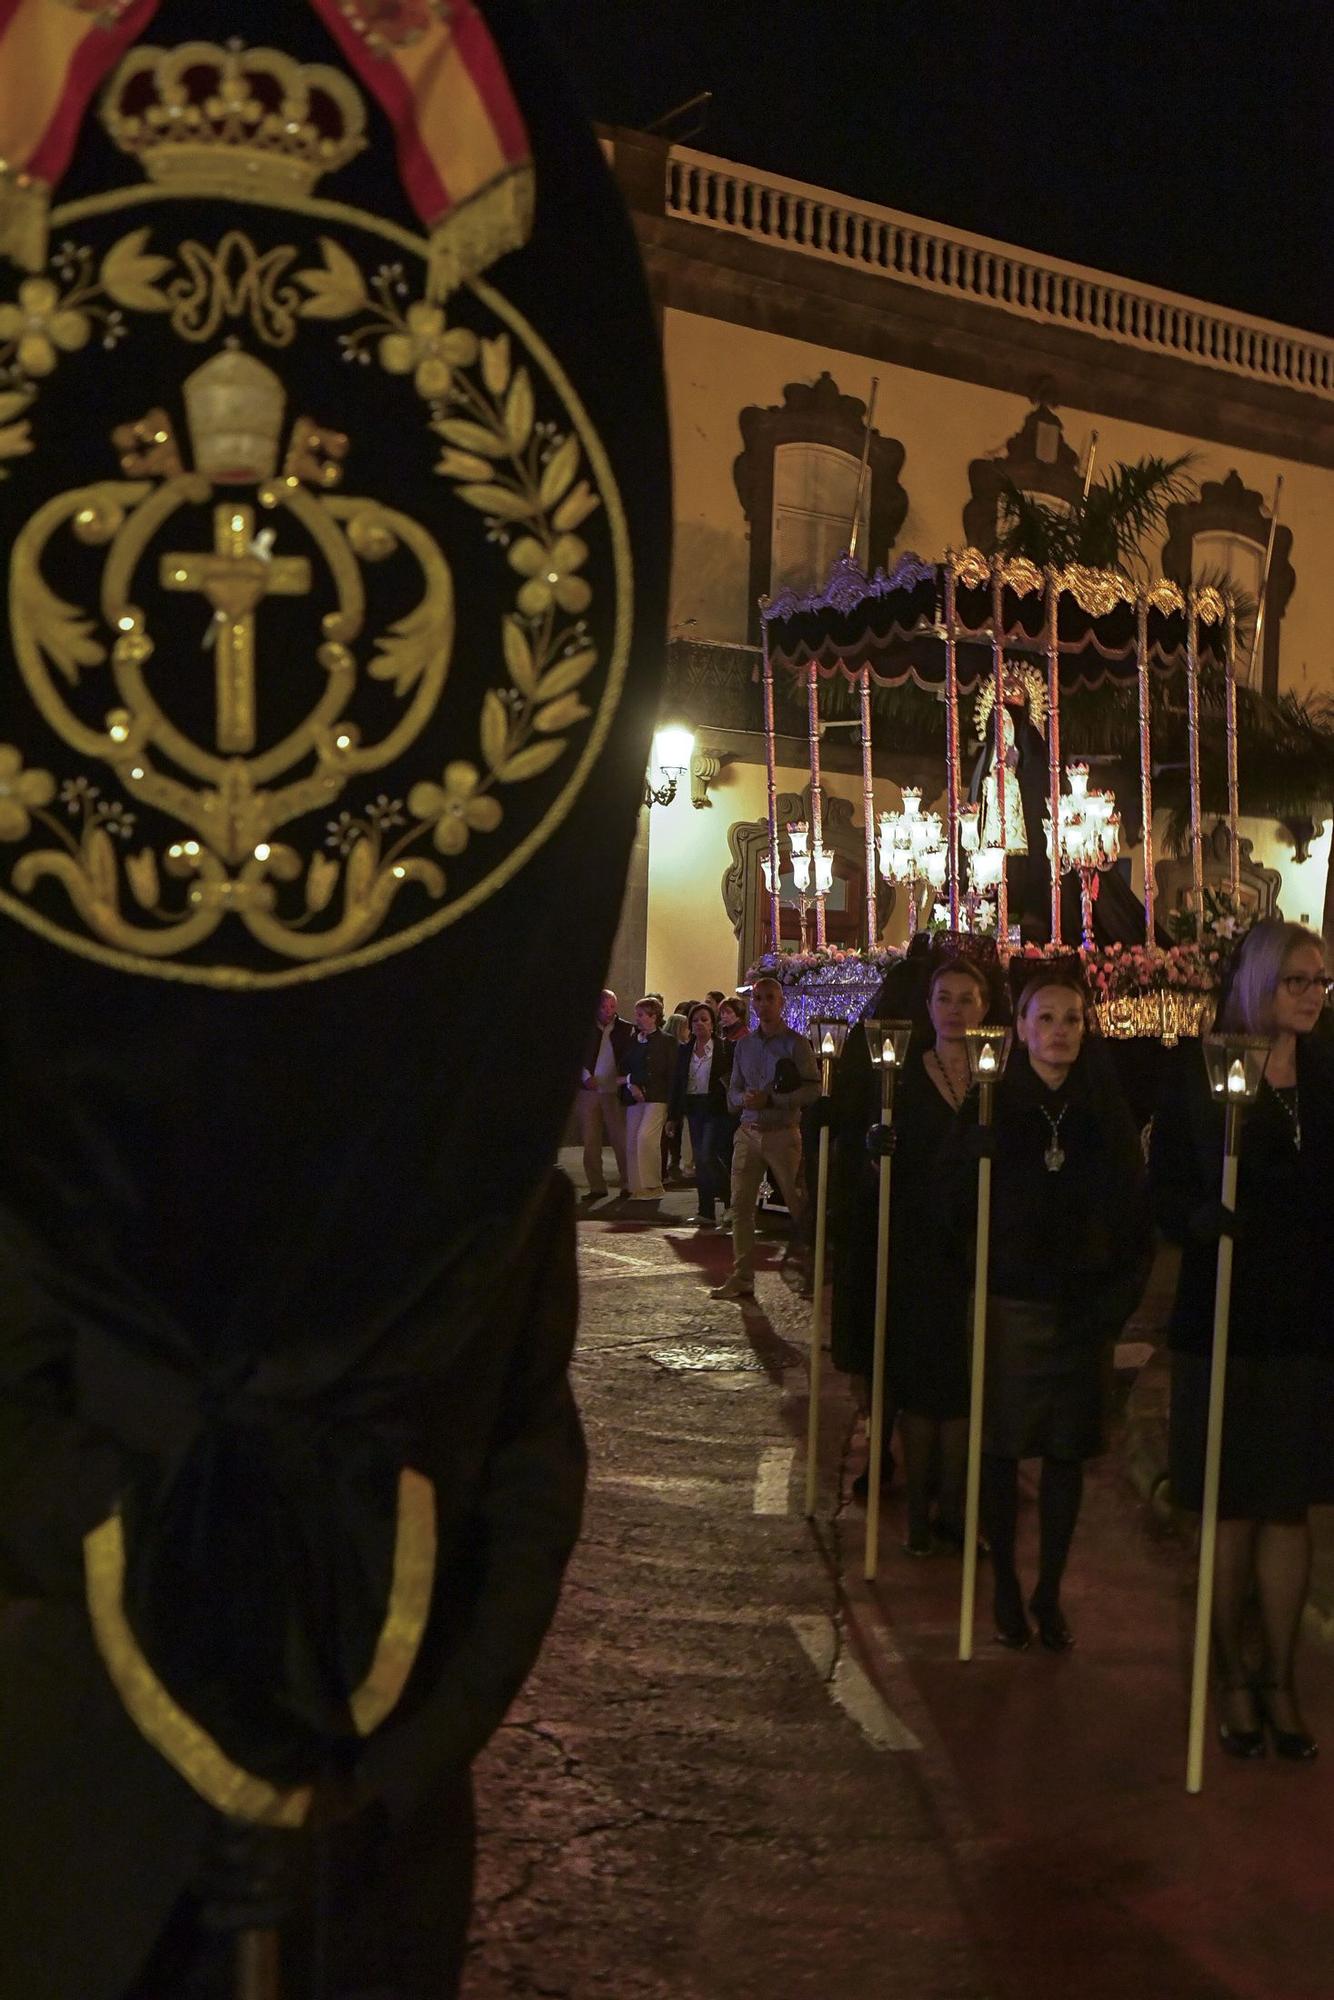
(673, 748)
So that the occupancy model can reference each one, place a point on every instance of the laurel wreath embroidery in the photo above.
(522, 476)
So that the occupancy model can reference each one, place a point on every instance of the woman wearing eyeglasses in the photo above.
(1278, 1424)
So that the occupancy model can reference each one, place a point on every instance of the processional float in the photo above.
(972, 626)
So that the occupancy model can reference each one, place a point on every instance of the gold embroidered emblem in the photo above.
(256, 762)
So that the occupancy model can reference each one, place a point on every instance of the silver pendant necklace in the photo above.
(1054, 1157)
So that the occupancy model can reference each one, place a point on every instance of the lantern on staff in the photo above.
(988, 1052)
(888, 1042)
(1236, 1067)
(827, 1036)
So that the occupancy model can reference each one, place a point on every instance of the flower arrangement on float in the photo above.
(1163, 990)
(794, 968)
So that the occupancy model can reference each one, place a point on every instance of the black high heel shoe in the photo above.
(1012, 1628)
(1242, 1742)
(1297, 1745)
(1053, 1632)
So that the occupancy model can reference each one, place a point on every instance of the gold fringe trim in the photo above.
(498, 218)
(1166, 1016)
(184, 1743)
(24, 219)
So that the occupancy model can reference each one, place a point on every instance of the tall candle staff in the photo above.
(1236, 1066)
(988, 1052)
(827, 1036)
(888, 1042)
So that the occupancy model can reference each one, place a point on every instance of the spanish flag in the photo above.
(431, 64)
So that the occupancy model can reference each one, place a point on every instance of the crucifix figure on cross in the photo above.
(235, 577)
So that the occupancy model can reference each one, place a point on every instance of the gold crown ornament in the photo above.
(205, 120)
(234, 406)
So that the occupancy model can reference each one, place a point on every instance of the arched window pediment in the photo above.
(1229, 514)
(1038, 460)
(814, 414)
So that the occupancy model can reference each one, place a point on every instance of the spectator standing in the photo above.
(677, 1028)
(646, 1086)
(733, 1026)
(699, 1097)
(733, 1019)
(601, 1113)
(774, 1073)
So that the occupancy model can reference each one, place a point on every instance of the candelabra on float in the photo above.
(1236, 1066)
(811, 867)
(827, 1036)
(1088, 839)
(913, 853)
(988, 1052)
(986, 864)
(888, 1041)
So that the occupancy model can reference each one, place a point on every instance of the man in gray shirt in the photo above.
(770, 1131)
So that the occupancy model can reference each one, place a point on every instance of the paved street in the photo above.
(740, 1772)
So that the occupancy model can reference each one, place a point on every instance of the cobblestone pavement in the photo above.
(739, 1771)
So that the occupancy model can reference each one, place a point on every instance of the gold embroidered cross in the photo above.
(238, 574)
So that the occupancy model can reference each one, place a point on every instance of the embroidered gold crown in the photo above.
(212, 121)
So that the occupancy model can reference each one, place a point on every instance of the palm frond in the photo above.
(1107, 527)
(1128, 504)
(1044, 533)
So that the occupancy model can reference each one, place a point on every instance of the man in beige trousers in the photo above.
(774, 1075)
(601, 1113)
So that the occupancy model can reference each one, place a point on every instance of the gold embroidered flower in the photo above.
(549, 574)
(429, 351)
(457, 807)
(19, 791)
(39, 325)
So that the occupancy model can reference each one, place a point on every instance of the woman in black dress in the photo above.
(1069, 1258)
(1278, 1422)
(926, 1317)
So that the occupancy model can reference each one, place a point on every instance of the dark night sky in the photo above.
(1188, 145)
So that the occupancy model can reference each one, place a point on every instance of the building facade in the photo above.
(779, 305)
